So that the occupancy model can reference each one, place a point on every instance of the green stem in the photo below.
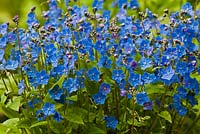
(132, 126)
(65, 112)
(117, 102)
(49, 129)
(193, 124)
(88, 106)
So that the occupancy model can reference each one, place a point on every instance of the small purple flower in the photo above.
(123, 92)
(148, 105)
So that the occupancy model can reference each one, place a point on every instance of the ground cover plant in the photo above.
(90, 70)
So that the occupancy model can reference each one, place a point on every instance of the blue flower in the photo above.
(141, 98)
(190, 83)
(93, 74)
(33, 102)
(121, 3)
(40, 115)
(181, 68)
(143, 44)
(145, 63)
(31, 21)
(191, 99)
(3, 28)
(133, 4)
(122, 84)
(79, 82)
(104, 88)
(105, 62)
(11, 64)
(130, 64)
(67, 2)
(21, 87)
(148, 78)
(171, 53)
(98, 4)
(57, 117)
(1, 54)
(182, 92)
(100, 46)
(58, 71)
(70, 85)
(129, 96)
(48, 109)
(178, 106)
(106, 15)
(99, 98)
(181, 51)
(111, 122)
(118, 75)
(42, 78)
(55, 93)
(188, 8)
(80, 73)
(134, 79)
(167, 73)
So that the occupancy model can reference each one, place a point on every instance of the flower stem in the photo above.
(49, 129)
(193, 124)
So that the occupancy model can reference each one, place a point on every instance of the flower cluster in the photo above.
(103, 59)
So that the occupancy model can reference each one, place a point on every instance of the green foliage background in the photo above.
(9, 8)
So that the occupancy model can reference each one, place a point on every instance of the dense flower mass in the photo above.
(103, 64)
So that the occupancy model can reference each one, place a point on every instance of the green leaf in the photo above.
(55, 127)
(58, 106)
(155, 89)
(165, 115)
(3, 98)
(4, 129)
(11, 122)
(59, 82)
(25, 123)
(14, 104)
(72, 98)
(96, 130)
(75, 118)
(8, 112)
(39, 124)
